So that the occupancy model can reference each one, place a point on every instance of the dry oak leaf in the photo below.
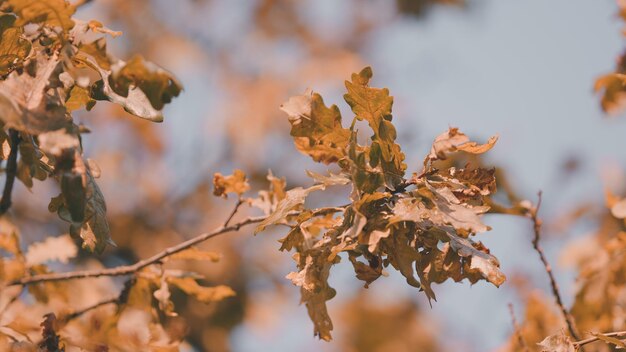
(13, 47)
(235, 183)
(294, 198)
(374, 106)
(557, 343)
(316, 129)
(25, 103)
(53, 13)
(454, 140)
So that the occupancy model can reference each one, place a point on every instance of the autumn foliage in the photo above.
(148, 278)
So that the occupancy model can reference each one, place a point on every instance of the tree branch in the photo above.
(596, 338)
(133, 268)
(555, 288)
(11, 171)
(78, 313)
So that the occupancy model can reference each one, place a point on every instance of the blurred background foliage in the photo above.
(527, 76)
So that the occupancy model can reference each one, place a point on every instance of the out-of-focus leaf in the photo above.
(557, 343)
(55, 142)
(613, 91)
(194, 253)
(235, 183)
(25, 102)
(201, 293)
(454, 140)
(13, 48)
(611, 340)
(619, 209)
(53, 13)
(331, 180)
(78, 98)
(98, 27)
(60, 249)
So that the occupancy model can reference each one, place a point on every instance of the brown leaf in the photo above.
(316, 129)
(235, 183)
(53, 13)
(557, 343)
(201, 293)
(454, 140)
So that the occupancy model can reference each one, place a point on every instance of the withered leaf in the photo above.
(557, 343)
(127, 90)
(25, 103)
(486, 264)
(78, 98)
(53, 13)
(235, 183)
(316, 129)
(13, 47)
(374, 106)
(194, 253)
(60, 249)
(94, 228)
(293, 199)
(330, 180)
(201, 293)
(454, 140)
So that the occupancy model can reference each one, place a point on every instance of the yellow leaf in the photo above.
(235, 183)
(202, 293)
(194, 253)
(53, 13)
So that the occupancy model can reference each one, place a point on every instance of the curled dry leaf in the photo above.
(557, 343)
(454, 140)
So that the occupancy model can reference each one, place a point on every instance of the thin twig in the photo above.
(518, 332)
(232, 214)
(133, 268)
(596, 338)
(78, 313)
(555, 288)
(11, 171)
(11, 301)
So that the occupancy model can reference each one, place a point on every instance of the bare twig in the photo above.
(555, 288)
(596, 338)
(232, 214)
(11, 171)
(518, 332)
(78, 313)
(11, 301)
(157, 258)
